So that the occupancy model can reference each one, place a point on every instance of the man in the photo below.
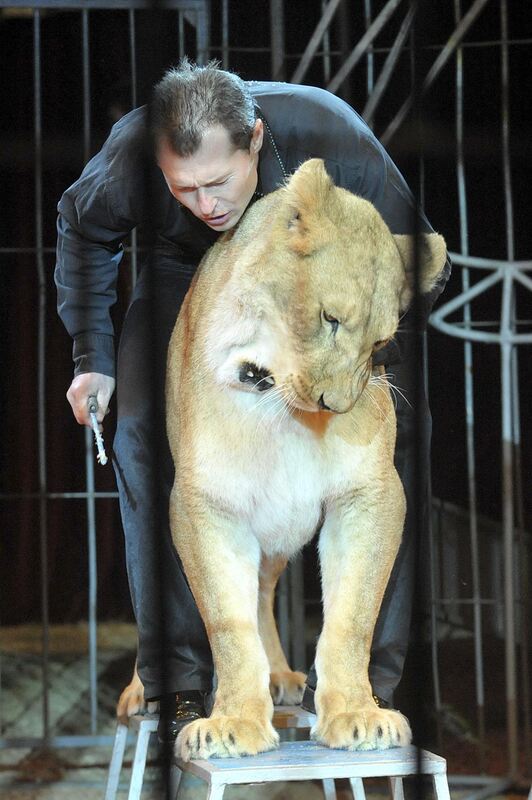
(218, 144)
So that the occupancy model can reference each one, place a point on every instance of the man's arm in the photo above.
(91, 226)
(85, 277)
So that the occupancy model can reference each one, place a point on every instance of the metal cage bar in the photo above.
(89, 458)
(41, 388)
(469, 403)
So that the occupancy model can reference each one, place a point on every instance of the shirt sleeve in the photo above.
(90, 231)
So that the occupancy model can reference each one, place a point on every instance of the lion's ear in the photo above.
(431, 256)
(306, 196)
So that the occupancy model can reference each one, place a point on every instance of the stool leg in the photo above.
(117, 758)
(215, 792)
(396, 788)
(329, 789)
(139, 763)
(357, 787)
(441, 787)
(174, 779)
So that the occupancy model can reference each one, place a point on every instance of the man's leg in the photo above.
(173, 650)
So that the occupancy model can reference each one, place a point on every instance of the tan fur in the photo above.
(132, 701)
(286, 686)
(258, 472)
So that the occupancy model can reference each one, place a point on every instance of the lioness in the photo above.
(278, 427)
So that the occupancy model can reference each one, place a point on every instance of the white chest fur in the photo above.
(274, 475)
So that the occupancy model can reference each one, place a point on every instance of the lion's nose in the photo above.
(323, 405)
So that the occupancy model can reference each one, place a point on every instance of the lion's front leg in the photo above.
(221, 562)
(358, 545)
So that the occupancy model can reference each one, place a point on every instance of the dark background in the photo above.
(63, 158)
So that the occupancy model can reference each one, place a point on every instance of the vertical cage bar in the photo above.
(202, 24)
(523, 568)
(133, 71)
(277, 39)
(89, 456)
(41, 369)
(469, 408)
(434, 659)
(181, 33)
(326, 47)
(370, 59)
(508, 529)
(132, 56)
(434, 591)
(505, 110)
(225, 34)
(389, 66)
(507, 386)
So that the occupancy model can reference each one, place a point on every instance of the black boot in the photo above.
(177, 710)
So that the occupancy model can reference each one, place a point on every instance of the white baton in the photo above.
(98, 438)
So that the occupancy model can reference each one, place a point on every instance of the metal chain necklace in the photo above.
(275, 150)
(277, 155)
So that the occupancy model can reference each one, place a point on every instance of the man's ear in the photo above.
(257, 136)
(430, 253)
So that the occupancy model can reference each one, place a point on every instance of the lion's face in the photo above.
(342, 304)
(320, 294)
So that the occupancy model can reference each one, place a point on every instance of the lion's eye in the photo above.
(333, 322)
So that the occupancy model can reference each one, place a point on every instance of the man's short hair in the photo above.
(189, 99)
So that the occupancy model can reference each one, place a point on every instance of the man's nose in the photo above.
(206, 203)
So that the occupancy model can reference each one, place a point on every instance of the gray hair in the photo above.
(189, 99)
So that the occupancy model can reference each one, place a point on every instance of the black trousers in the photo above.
(173, 650)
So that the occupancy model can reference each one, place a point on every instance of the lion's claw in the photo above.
(369, 729)
(223, 737)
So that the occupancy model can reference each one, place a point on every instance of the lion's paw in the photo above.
(223, 737)
(132, 701)
(286, 688)
(369, 729)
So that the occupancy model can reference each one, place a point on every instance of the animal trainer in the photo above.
(278, 419)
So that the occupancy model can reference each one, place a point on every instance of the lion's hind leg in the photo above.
(132, 701)
(286, 685)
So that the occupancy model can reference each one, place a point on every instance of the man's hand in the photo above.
(90, 384)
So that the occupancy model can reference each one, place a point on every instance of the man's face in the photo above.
(217, 182)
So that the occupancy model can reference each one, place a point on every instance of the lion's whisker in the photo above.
(286, 411)
(380, 381)
(275, 405)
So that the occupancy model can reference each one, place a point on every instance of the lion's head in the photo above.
(315, 294)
